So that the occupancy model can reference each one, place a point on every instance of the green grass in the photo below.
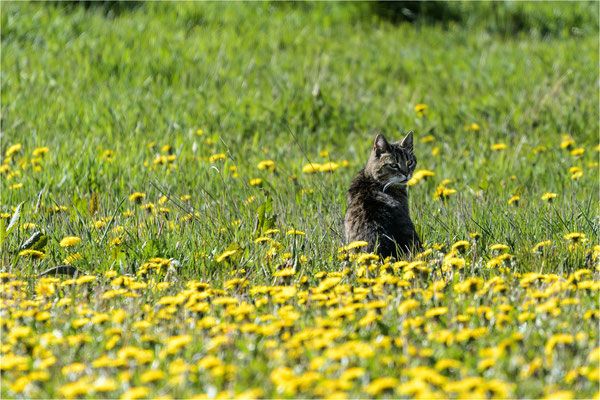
(105, 92)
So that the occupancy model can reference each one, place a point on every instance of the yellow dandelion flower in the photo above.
(13, 149)
(560, 395)
(311, 168)
(514, 200)
(577, 152)
(152, 375)
(575, 237)
(74, 368)
(70, 241)
(294, 231)
(137, 197)
(40, 151)
(380, 385)
(407, 306)
(498, 146)
(216, 157)
(499, 247)
(421, 109)
(567, 142)
(427, 139)
(267, 164)
(353, 245)
(32, 253)
(72, 258)
(562, 338)
(226, 254)
(328, 167)
(436, 312)
(140, 392)
(255, 181)
(461, 245)
(549, 197)
(442, 192)
(540, 245)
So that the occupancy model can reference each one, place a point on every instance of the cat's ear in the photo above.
(407, 142)
(380, 145)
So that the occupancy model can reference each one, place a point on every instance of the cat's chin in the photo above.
(394, 183)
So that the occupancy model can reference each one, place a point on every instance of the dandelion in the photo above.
(380, 385)
(419, 175)
(267, 164)
(13, 149)
(70, 241)
(549, 197)
(33, 254)
(514, 200)
(575, 237)
(421, 110)
(136, 393)
(461, 245)
(577, 152)
(436, 312)
(498, 146)
(538, 247)
(563, 338)
(442, 192)
(107, 155)
(294, 231)
(72, 258)
(567, 142)
(74, 368)
(407, 306)
(137, 197)
(474, 126)
(255, 181)
(328, 167)
(499, 247)
(216, 157)
(311, 168)
(40, 151)
(152, 375)
(226, 254)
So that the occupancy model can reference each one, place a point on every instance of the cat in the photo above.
(378, 200)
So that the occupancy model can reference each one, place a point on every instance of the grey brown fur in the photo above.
(378, 200)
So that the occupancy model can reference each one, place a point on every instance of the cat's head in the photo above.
(392, 163)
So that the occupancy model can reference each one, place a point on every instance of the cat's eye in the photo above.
(410, 164)
(394, 166)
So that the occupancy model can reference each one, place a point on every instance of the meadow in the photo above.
(189, 162)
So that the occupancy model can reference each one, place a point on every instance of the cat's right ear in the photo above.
(380, 145)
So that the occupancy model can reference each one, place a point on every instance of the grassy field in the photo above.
(191, 161)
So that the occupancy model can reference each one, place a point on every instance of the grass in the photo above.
(181, 103)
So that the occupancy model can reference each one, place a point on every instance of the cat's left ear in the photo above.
(380, 145)
(407, 142)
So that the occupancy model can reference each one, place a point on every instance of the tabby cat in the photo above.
(378, 200)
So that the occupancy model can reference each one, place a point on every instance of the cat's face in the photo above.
(392, 163)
